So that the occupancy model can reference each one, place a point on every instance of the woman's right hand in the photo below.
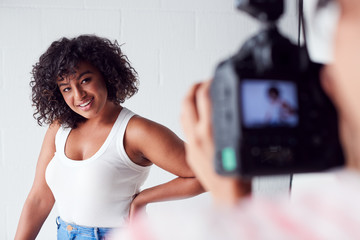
(40, 200)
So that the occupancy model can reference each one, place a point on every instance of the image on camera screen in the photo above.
(269, 103)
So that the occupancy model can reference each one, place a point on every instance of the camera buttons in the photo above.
(228, 157)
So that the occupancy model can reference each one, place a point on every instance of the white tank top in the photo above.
(97, 191)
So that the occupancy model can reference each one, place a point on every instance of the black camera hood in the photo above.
(265, 11)
(269, 51)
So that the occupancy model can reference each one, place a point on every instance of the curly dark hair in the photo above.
(61, 59)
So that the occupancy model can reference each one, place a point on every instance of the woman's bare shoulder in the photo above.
(51, 132)
(142, 127)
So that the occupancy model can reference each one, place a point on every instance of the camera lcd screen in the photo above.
(269, 103)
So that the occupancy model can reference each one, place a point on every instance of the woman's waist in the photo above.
(99, 214)
(80, 228)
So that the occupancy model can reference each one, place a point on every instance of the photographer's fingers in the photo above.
(189, 115)
(204, 103)
(326, 76)
(196, 114)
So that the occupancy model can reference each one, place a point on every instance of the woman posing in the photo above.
(96, 154)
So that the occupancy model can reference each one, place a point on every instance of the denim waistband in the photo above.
(76, 229)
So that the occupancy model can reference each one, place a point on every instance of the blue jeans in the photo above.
(69, 231)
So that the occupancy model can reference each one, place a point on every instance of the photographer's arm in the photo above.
(147, 142)
(341, 79)
(40, 199)
(196, 122)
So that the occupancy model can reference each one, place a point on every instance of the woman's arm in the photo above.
(147, 142)
(175, 189)
(40, 199)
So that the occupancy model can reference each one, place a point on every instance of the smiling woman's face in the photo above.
(84, 91)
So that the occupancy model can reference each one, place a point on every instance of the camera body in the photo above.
(270, 113)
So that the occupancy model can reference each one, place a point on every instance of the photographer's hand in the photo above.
(196, 122)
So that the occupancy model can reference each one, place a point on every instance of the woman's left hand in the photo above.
(136, 207)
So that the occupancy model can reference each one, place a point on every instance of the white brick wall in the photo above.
(1, 69)
(2, 159)
(171, 44)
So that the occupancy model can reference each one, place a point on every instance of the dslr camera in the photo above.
(270, 113)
